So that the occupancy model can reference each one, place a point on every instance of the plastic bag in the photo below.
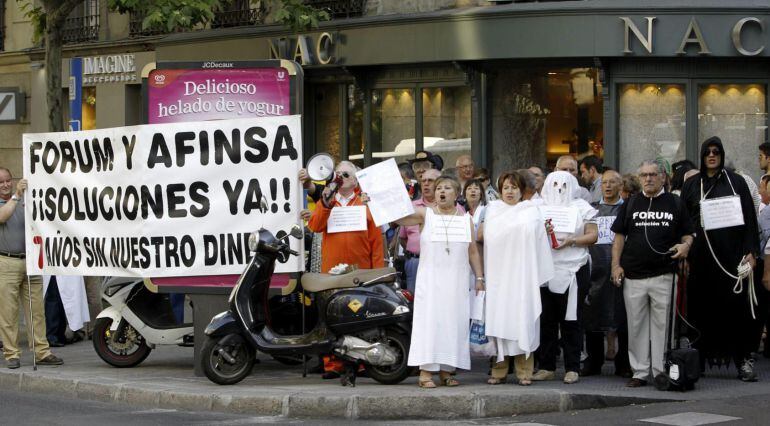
(479, 343)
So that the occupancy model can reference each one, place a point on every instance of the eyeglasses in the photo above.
(646, 175)
(465, 167)
(344, 174)
(714, 152)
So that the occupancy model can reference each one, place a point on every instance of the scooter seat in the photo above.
(315, 282)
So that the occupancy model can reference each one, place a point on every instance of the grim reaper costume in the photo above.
(719, 309)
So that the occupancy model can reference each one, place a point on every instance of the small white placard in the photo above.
(477, 305)
(450, 229)
(563, 219)
(722, 212)
(346, 219)
(388, 199)
(604, 223)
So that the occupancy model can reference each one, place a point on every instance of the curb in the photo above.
(437, 404)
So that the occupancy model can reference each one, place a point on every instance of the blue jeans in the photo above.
(410, 267)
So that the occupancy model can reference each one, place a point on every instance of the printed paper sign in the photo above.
(722, 212)
(563, 219)
(160, 200)
(346, 219)
(604, 223)
(388, 199)
(450, 229)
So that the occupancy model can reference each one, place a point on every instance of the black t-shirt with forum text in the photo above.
(665, 220)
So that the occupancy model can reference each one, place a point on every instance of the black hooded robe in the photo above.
(725, 330)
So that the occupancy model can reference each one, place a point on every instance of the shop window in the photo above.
(89, 108)
(355, 113)
(327, 119)
(737, 114)
(393, 132)
(540, 114)
(446, 122)
(651, 124)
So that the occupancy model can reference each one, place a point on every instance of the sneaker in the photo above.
(13, 363)
(587, 371)
(50, 360)
(543, 375)
(746, 371)
(571, 377)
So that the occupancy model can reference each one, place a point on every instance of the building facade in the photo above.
(512, 83)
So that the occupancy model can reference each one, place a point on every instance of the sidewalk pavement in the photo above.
(165, 380)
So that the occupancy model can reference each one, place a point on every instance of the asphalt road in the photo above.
(30, 409)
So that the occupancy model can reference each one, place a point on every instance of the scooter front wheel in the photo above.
(396, 373)
(124, 347)
(226, 360)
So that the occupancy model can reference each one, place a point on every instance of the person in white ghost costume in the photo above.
(515, 230)
(72, 291)
(560, 298)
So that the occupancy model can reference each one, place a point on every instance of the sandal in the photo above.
(525, 382)
(426, 381)
(496, 381)
(426, 384)
(448, 381)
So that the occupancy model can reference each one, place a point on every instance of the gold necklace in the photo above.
(446, 227)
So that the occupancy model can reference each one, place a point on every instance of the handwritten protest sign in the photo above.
(604, 224)
(160, 200)
(388, 199)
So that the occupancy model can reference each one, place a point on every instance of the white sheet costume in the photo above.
(561, 189)
(72, 290)
(517, 261)
(441, 321)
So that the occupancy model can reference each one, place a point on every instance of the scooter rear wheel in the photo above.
(226, 363)
(398, 372)
(126, 350)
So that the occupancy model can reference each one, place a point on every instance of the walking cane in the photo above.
(31, 324)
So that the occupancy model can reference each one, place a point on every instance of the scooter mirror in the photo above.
(296, 231)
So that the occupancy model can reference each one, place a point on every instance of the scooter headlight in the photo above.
(253, 241)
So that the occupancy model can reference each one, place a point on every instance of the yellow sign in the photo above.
(355, 305)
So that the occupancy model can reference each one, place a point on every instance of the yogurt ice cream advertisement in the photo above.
(177, 95)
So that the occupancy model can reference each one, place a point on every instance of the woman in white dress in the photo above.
(441, 321)
(514, 229)
(476, 203)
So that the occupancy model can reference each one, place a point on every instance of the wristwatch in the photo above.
(15, 197)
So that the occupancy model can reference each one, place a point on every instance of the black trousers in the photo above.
(552, 322)
(55, 318)
(595, 350)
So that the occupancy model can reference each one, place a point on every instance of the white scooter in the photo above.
(135, 321)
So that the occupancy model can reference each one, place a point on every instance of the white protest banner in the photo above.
(563, 219)
(604, 224)
(722, 212)
(346, 219)
(160, 200)
(388, 199)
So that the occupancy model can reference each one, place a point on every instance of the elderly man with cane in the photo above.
(652, 233)
(15, 282)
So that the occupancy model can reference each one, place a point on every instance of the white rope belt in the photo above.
(744, 273)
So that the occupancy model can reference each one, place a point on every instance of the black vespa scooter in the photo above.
(363, 317)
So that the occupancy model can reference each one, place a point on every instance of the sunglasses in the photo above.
(713, 151)
(344, 174)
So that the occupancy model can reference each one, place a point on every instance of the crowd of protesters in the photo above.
(611, 281)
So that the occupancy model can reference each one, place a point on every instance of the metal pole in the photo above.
(31, 324)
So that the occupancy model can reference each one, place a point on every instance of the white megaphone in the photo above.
(320, 167)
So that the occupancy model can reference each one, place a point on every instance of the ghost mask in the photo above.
(559, 188)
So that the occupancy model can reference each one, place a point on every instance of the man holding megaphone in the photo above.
(362, 248)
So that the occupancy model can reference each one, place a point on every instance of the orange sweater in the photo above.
(361, 248)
